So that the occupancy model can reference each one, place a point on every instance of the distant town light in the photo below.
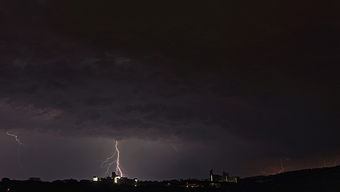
(116, 179)
(95, 179)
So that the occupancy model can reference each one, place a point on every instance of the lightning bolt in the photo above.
(19, 143)
(118, 169)
(110, 161)
(282, 168)
(15, 137)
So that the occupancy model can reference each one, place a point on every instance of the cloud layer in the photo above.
(220, 78)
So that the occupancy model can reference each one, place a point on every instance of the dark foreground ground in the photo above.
(320, 180)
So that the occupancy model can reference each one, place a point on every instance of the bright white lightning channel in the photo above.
(118, 169)
(111, 161)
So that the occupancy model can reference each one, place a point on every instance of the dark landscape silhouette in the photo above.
(318, 179)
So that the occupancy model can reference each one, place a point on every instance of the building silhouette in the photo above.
(224, 178)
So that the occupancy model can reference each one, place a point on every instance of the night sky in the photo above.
(249, 87)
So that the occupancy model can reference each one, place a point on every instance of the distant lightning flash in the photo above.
(110, 161)
(282, 167)
(15, 137)
(19, 143)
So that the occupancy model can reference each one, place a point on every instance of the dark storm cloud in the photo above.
(206, 72)
(107, 93)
